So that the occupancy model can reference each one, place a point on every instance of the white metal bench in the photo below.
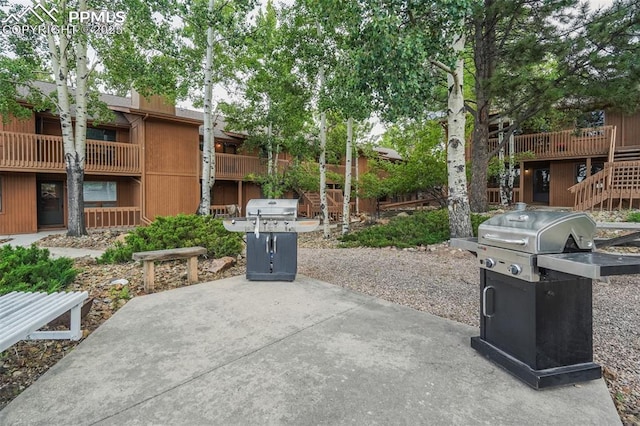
(23, 314)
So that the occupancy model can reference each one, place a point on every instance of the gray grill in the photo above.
(527, 244)
(536, 271)
(271, 228)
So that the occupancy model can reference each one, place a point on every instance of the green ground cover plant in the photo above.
(174, 232)
(31, 269)
(420, 228)
(633, 217)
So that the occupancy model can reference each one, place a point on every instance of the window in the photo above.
(100, 194)
(101, 134)
(581, 170)
(590, 119)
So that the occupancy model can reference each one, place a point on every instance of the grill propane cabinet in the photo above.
(536, 272)
(272, 227)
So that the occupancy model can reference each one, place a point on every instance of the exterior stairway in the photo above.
(627, 154)
(616, 186)
(311, 206)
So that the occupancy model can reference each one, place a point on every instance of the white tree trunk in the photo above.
(269, 151)
(504, 196)
(357, 167)
(323, 175)
(208, 151)
(346, 216)
(458, 201)
(512, 170)
(61, 51)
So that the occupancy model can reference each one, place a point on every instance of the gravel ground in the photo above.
(437, 279)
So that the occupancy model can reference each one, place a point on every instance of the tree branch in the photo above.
(441, 66)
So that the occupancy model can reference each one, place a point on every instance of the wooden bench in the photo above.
(619, 226)
(23, 313)
(149, 257)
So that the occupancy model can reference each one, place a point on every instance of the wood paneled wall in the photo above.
(19, 210)
(250, 191)
(27, 125)
(154, 103)
(172, 156)
(562, 176)
(169, 195)
(171, 147)
(225, 192)
(51, 126)
(627, 127)
(122, 135)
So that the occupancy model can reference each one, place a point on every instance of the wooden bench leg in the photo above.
(192, 269)
(148, 275)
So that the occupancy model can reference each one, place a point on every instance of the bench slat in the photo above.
(148, 257)
(37, 307)
(177, 253)
(23, 303)
(22, 314)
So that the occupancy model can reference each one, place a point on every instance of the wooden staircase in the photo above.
(626, 154)
(311, 206)
(616, 186)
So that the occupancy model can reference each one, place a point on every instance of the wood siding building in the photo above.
(145, 163)
(596, 167)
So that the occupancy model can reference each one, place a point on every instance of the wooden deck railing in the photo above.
(564, 144)
(237, 167)
(493, 195)
(25, 151)
(616, 186)
(112, 217)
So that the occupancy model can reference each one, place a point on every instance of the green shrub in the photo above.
(177, 231)
(633, 217)
(31, 269)
(421, 228)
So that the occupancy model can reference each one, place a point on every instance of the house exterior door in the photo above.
(50, 204)
(541, 184)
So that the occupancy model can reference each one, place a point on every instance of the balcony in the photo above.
(596, 141)
(238, 167)
(45, 153)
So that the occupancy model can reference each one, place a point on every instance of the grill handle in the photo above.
(484, 302)
(491, 237)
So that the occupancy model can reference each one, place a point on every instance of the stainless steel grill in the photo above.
(271, 226)
(536, 272)
(529, 244)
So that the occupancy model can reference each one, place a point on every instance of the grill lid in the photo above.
(538, 231)
(272, 208)
(271, 215)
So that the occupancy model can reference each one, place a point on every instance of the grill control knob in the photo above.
(489, 262)
(515, 269)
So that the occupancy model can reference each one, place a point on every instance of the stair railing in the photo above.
(593, 189)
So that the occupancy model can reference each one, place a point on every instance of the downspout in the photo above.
(143, 187)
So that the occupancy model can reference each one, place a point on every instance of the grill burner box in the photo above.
(536, 272)
(271, 228)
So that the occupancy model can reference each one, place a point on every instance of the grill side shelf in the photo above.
(593, 265)
(470, 243)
